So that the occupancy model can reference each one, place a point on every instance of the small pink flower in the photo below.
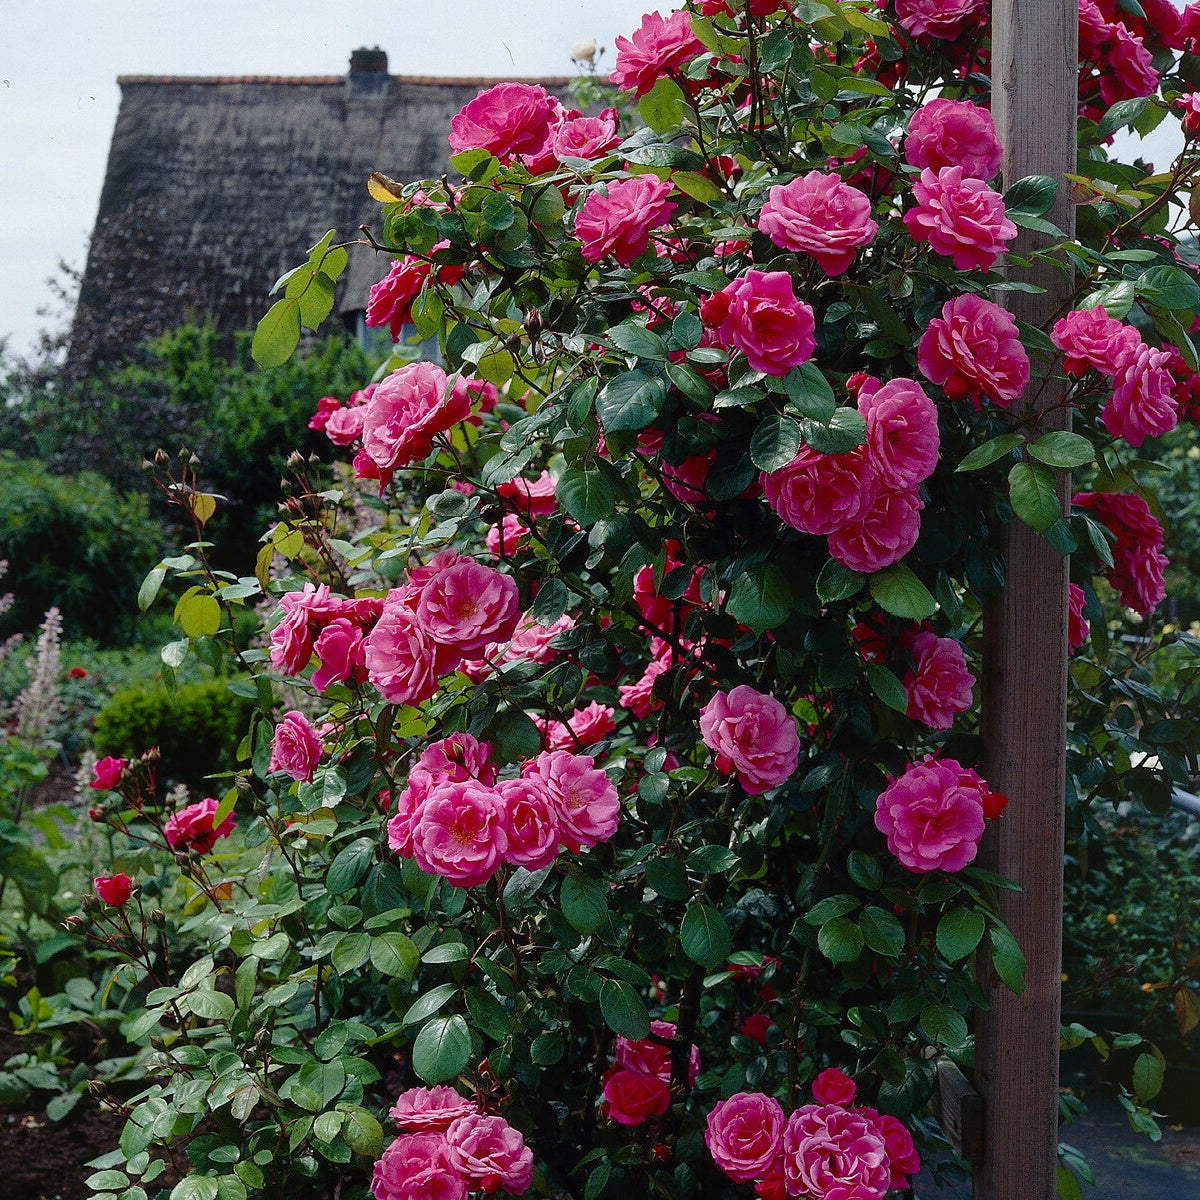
(960, 218)
(932, 816)
(881, 535)
(533, 497)
(114, 890)
(292, 643)
(296, 747)
(533, 837)
(828, 1146)
(943, 19)
(1078, 629)
(639, 696)
(1092, 340)
(391, 299)
(760, 316)
(191, 828)
(490, 1154)
(953, 133)
(1128, 67)
(107, 773)
(1142, 404)
(1138, 561)
(1189, 103)
(939, 685)
(633, 1097)
(752, 734)
(511, 121)
(659, 45)
(340, 649)
(402, 660)
(460, 833)
(430, 1110)
(744, 1135)
(973, 351)
(587, 137)
(417, 1166)
(903, 1159)
(902, 433)
(345, 426)
(654, 1058)
(821, 215)
(584, 799)
(834, 1087)
(457, 757)
(619, 222)
(820, 493)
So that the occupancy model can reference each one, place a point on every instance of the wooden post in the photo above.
(1034, 72)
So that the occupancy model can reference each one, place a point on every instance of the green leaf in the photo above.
(584, 903)
(488, 1014)
(198, 615)
(278, 334)
(442, 1049)
(864, 870)
(1123, 113)
(990, 451)
(898, 591)
(514, 735)
(705, 937)
(943, 1025)
(838, 582)
(810, 392)
(663, 107)
(394, 954)
(476, 164)
(1008, 959)
(150, 586)
(637, 340)
(840, 940)
(1066, 1186)
(351, 864)
(1062, 449)
(829, 908)
(761, 597)
(363, 1133)
(1035, 195)
(211, 1006)
(882, 932)
(631, 401)
(1034, 497)
(316, 302)
(496, 366)
(1169, 287)
(698, 186)
(195, 1187)
(711, 860)
(351, 951)
(668, 878)
(624, 1011)
(428, 1003)
(775, 443)
(1147, 1077)
(585, 495)
(845, 431)
(887, 687)
(959, 932)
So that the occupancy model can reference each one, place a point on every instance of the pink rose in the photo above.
(819, 493)
(107, 773)
(819, 214)
(533, 836)
(417, 1166)
(903, 1159)
(340, 649)
(1189, 103)
(882, 535)
(587, 137)
(1092, 340)
(639, 696)
(960, 218)
(633, 1097)
(391, 298)
(430, 1110)
(584, 799)
(511, 121)
(490, 1154)
(345, 426)
(114, 890)
(944, 19)
(764, 320)
(457, 757)
(460, 833)
(1127, 69)
(827, 1146)
(325, 406)
(505, 539)
(902, 433)
(533, 497)
(932, 816)
(752, 734)
(403, 821)
(660, 45)
(191, 828)
(619, 221)
(654, 1058)
(939, 685)
(468, 606)
(1138, 561)
(953, 133)
(1142, 404)
(291, 643)
(402, 660)
(834, 1087)
(973, 351)
(744, 1135)
(296, 747)
(407, 411)
(1078, 629)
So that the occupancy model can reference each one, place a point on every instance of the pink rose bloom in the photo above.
(533, 497)
(752, 734)
(533, 642)
(114, 890)
(764, 320)
(421, 574)
(973, 351)
(533, 836)
(960, 218)
(107, 773)
(296, 747)
(490, 1154)
(587, 137)
(660, 45)
(1078, 629)
(827, 1146)
(391, 299)
(583, 797)
(834, 1087)
(619, 222)
(340, 649)
(468, 607)
(191, 828)
(430, 1110)
(1190, 115)
(505, 539)
(744, 1135)
(403, 821)
(345, 426)
(1138, 561)
(460, 833)
(1092, 340)
(902, 433)
(903, 1159)
(639, 696)
(944, 19)
(653, 1058)
(882, 535)
(402, 660)
(932, 816)
(939, 685)
(325, 406)
(1142, 404)
(633, 1097)
(590, 725)
(819, 214)
(511, 121)
(417, 1166)
(407, 411)
(819, 493)
(1127, 67)
(457, 757)
(953, 133)
(291, 643)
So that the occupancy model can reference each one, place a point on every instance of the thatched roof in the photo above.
(216, 186)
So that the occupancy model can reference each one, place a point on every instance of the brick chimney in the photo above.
(368, 62)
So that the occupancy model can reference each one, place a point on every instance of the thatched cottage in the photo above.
(216, 186)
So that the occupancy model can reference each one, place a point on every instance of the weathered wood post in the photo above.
(1034, 100)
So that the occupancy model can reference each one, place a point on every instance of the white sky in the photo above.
(59, 62)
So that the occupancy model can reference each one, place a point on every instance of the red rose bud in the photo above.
(994, 803)
(96, 814)
(108, 772)
(114, 890)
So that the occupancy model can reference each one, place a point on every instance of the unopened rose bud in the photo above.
(512, 343)
(147, 465)
(158, 917)
(161, 458)
(295, 460)
(96, 814)
(533, 322)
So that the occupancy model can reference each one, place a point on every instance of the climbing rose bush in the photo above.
(610, 824)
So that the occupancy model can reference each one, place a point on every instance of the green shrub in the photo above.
(74, 542)
(196, 729)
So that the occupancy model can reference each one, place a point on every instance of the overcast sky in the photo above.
(59, 62)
